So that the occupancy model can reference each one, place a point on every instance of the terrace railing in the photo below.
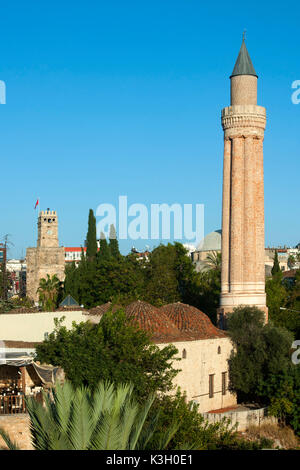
(12, 404)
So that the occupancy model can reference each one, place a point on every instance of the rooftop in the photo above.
(173, 322)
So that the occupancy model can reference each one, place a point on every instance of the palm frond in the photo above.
(12, 445)
(80, 424)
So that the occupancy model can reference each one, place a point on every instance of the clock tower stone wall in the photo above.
(48, 257)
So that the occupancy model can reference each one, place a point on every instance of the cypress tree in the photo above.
(104, 252)
(113, 243)
(91, 238)
(276, 266)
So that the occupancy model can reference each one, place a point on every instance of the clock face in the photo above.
(49, 232)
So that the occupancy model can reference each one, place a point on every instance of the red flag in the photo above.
(36, 204)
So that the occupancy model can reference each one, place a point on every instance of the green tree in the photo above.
(5, 282)
(283, 301)
(276, 296)
(260, 366)
(209, 289)
(104, 251)
(186, 275)
(291, 261)
(162, 283)
(48, 292)
(115, 350)
(260, 350)
(113, 243)
(71, 283)
(276, 266)
(91, 238)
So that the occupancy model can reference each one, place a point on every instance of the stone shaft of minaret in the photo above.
(243, 244)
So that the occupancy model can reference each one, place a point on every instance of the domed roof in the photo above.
(155, 321)
(101, 309)
(212, 242)
(168, 324)
(192, 321)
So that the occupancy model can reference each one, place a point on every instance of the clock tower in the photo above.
(48, 229)
(47, 257)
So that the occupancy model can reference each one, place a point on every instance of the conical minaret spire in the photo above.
(243, 65)
(243, 79)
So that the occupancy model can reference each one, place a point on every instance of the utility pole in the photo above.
(3, 262)
(4, 270)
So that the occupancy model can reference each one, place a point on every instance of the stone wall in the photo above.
(199, 360)
(17, 427)
(243, 418)
(40, 262)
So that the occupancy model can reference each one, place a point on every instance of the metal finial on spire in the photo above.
(244, 34)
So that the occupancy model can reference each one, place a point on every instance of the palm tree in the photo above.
(10, 444)
(107, 419)
(213, 261)
(48, 291)
(291, 261)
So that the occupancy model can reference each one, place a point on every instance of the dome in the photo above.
(211, 242)
(96, 313)
(191, 321)
(154, 321)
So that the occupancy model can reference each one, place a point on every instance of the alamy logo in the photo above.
(296, 354)
(160, 222)
(2, 92)
(296, 94)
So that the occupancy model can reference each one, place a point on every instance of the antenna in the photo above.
(4, 276)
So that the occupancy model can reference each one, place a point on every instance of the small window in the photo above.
(184, 354)
(219, 349)
(46, 335)
(211, 385)
(224, 382)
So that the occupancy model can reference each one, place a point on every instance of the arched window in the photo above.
(219, 349)
(184, 354)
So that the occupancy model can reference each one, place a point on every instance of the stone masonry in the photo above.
(243, 122)
(47, 257)
(18, 428)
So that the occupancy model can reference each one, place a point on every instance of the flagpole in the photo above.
(38, 217)
(37, 206)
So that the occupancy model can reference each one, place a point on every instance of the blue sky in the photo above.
(124, 98)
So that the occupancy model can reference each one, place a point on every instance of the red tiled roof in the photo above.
(74, 248)
(101, 309)
(153, 320)
(171, 323)
(192, 321)
(290, 273)
(224, 410)
(20, 344)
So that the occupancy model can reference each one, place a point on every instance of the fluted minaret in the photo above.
(243, 244)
